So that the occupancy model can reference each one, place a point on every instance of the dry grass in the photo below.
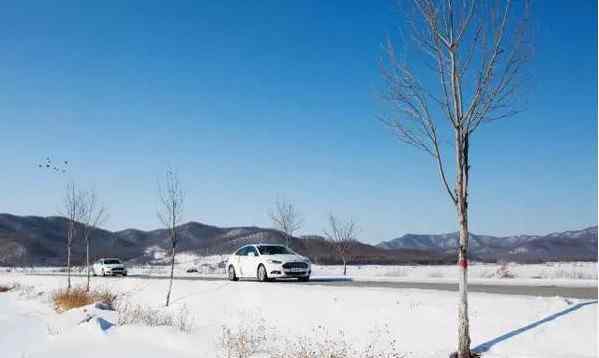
(65, 299)
(153, 317)
(324, 344)
(249, 340)
(244, 341)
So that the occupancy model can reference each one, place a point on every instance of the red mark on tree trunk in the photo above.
(463, 263)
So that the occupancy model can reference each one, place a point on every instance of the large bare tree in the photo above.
(94, 214)
(74, 212)
(170, 214)
(476, 50)
(286, 218)
(342, 235)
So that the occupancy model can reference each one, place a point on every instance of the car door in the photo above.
(250, 264)
(98, 267)
(240, 256)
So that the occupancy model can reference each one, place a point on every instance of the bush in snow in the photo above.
(153, 317)
(323, 344)
(256, 341)
(66, 299)
(503, 271)
(570, 274)
(243, 341)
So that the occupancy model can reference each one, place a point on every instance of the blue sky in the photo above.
(254, 100)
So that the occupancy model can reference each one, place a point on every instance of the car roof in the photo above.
(256, 245)
(247, 245)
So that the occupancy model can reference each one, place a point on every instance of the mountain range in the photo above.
(566, 246)
(34, 240)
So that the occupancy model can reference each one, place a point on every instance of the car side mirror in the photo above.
(251, 254)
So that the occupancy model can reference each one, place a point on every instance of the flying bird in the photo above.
(48, 164)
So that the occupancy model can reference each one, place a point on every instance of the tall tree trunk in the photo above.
(462, 211)
(69, 241)
(68, 266)
(344, 267)
(87, 262)
(170, 286)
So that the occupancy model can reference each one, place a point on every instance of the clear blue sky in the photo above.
(250, 100)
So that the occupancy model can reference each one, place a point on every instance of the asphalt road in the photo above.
(545, 291)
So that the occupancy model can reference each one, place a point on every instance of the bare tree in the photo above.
(170, 214)
(286, 219)
(342, 234)
(94, 214)
(476, 50)
(74, 211)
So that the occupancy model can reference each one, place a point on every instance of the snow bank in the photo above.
(546, 271)
(423, 322)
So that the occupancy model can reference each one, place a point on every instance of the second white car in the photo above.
(266, 262)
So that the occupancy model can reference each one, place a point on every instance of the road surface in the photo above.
(543, 290)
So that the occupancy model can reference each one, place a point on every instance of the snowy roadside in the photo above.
(422, 322)
(563, 274)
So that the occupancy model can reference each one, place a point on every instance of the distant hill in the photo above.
(567, 245)
(33, 240)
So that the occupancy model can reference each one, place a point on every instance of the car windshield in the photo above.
(111, 262)
(274, 250)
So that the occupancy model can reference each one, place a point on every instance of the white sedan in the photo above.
(267, 262)
(110, 267)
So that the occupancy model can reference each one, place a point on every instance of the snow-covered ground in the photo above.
(550, 270)
(563, 271)
(418, 323)
(581, 274)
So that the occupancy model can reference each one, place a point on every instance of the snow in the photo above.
(546, 271)
(422, 321)
(566, 274)
(573, 274)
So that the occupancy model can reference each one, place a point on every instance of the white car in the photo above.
(111, 267)
(266, 262)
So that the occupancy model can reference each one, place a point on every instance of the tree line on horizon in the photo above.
(84, 214)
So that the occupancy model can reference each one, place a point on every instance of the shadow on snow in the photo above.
(484, 347)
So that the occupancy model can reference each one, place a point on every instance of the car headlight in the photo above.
(275, 262)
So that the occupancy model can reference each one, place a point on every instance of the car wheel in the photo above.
(94, 272)
(262, 276)
(231, 274)
(103, 273)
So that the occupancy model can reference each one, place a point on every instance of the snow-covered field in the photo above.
(581, 274)
(563, 271)
(209, 265)
(418, 323)
(550, 270)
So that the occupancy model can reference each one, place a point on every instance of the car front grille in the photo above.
(290, 265)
